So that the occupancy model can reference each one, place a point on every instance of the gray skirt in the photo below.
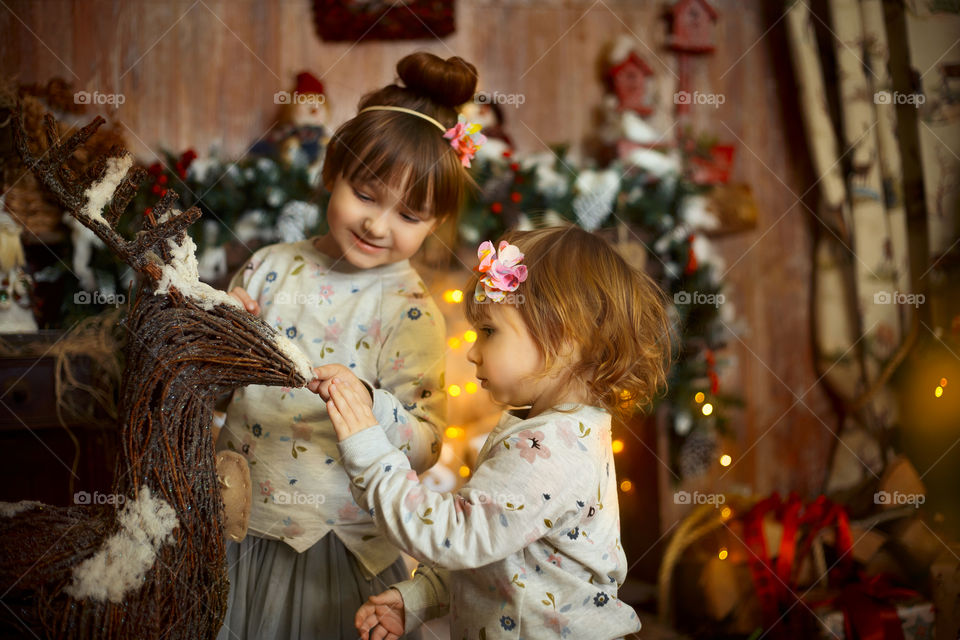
(279, 594)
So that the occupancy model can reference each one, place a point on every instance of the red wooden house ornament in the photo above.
(629, 80)
(693, 26)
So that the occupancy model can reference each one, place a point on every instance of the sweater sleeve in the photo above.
(425, 597)
(535, 482)
(408, 398)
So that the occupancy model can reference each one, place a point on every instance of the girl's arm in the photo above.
(411, 403)
(540, 480)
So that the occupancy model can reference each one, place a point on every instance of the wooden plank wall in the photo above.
(202, 74)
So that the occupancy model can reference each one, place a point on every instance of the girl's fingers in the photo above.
(339, 424)
(369, 622)
(248, 303)
(362, 415)
(379, 633)
(338, 394)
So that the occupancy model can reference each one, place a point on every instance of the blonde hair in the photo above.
(580, 291)
(399, 149)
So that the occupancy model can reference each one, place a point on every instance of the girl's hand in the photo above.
(383, 613)
(348, 412)
(248, 303)
(325, 376)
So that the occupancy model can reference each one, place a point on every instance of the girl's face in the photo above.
(370, 226)
(508, 360)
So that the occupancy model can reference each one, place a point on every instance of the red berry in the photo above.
(496, 207)
(514, 166)
(162, 179)
(515, 196)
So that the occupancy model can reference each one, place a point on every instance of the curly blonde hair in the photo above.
(580, 291)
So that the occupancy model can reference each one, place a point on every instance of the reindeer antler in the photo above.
(162, 251)
(112, 180)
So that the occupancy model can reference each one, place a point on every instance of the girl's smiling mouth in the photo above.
(366, 246)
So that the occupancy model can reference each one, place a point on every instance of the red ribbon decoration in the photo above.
(867, 610)
(764, 581)
(773, 581)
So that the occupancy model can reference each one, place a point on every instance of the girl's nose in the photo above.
(473, 355)
(375, 225)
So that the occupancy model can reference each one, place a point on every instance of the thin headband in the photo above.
(464, 137)
(412, 112)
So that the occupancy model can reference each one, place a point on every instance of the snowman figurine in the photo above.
(16, 286)
(300, 137)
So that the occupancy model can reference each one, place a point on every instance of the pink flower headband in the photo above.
(502, 269)
(464, 137)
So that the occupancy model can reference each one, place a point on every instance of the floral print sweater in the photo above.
(382, 324)
(528, 548)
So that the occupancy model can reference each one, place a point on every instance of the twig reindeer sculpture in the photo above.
(155, 565)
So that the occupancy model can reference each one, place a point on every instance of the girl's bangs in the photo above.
(401, 161)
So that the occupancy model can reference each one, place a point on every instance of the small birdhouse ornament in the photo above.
(629, 79)
(694, 25)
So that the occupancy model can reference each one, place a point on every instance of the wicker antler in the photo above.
(109, 180)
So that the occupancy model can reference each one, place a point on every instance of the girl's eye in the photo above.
(487, 331)
(362, 196)
(409, 217)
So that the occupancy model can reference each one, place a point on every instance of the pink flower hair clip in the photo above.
(465, 138)
(502, 271)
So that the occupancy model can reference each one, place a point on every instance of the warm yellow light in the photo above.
(471, 387)
(943, 382)
(453, 390)
(726, 512)
(725, 460)
(454, 432)
(617, 446)
(938, 392)
(448, 296)
(723, 553)
(699, 397)
(624, 395)
(464, 471)
(453, 342)
(457, 295)
(626, 486)
(707, 409)
(470, 336)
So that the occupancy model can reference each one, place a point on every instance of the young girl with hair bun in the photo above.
(529, 547)
(351, 300)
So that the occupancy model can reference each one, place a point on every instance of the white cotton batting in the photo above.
(122, 561)
(182, 272)
(296, 356)
(100, 193)
(10, 509)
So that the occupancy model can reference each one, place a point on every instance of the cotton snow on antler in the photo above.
(153, 564)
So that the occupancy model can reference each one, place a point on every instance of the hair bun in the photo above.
(449, 82)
